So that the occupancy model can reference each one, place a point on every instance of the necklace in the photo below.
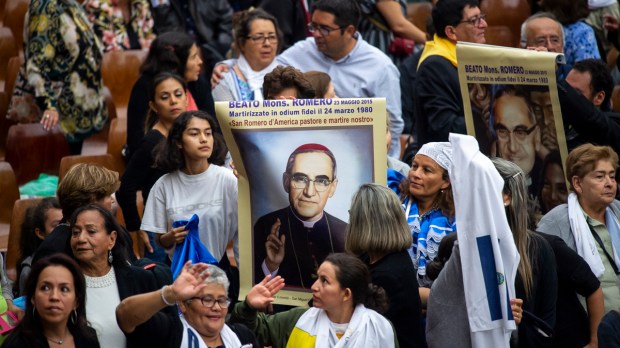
(58, 341)
(428, 212)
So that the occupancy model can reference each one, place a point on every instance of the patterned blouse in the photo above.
(63, 65)
(579, 43)
(375, 35)
(427, 231)
(109, 24)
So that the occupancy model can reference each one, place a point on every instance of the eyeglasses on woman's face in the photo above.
(262, 39)
(209, 301)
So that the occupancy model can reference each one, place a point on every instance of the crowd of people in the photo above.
(402, 271)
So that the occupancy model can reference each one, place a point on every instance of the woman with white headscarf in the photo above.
(428, 204)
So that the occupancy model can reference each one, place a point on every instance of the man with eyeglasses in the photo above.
(293, 241)
(357, 69)
(437, 93)
(516, 130)
(542, 30)
(586, 113)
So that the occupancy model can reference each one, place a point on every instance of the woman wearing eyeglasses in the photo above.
(200, 291)
(258, 39)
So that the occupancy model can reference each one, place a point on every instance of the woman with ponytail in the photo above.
(343, 312)
(168, 99)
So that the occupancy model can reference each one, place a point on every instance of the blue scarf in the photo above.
(191, 248)
(427, 233)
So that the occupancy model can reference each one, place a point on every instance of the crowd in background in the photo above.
(393, 276)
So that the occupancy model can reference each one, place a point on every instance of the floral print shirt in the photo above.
(579, 43)
(63, 66)
(109, 24)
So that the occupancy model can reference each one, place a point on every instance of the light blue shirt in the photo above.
(365, 72)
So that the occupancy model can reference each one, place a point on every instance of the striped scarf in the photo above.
(427, 233)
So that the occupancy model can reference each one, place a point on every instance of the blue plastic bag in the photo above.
(191, 248)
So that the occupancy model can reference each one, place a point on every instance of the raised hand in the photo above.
(261, 295)
(190, 281)
(275, 247)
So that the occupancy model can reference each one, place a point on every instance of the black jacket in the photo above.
(438, 101)
(584, 123)
(212, 22)
(305, 248)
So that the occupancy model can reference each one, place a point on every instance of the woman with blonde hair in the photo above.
(378, 232)
(83, 184)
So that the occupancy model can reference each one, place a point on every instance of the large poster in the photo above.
(299, 163)
(511, 107)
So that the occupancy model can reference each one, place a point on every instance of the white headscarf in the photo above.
(440, 152)
(254, 78)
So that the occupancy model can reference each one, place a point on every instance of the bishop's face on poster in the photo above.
(299, 166)
(511, 107)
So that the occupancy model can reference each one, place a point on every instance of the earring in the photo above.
(34, 311)
(110, 257)
(505, 204)
(74, 317)
(440, 190)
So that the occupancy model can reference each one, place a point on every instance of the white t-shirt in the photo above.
(212, 195)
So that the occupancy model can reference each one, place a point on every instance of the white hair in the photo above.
(537, 16)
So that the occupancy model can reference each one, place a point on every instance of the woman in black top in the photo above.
(167, 101)
(378, 230)
(174, 52)
(536, 282)
(201, 294)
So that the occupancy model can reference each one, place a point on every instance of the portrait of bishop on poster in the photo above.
(511, 106)
(299, 163)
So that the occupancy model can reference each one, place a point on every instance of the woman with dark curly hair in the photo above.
(195, 184)
(286, 82)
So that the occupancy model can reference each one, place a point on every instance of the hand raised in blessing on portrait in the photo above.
(275, 247)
